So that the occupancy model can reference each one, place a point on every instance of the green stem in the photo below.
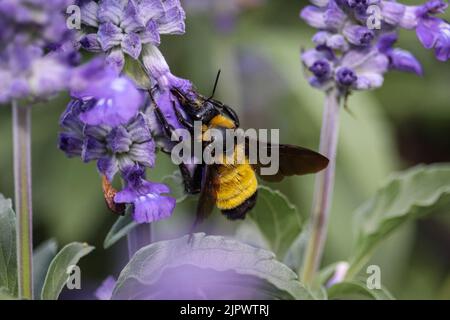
(139, 237)
(22, 180)
(324, 185)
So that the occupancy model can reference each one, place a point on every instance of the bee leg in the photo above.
(167, 128)
(192, 183)
(182, 120)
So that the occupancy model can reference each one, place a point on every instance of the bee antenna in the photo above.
(215, 85)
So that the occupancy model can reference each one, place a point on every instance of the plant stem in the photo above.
(22, 180)
(139, 237)
(324, 185)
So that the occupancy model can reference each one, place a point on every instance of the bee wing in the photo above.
(293, 160)
(207, 199)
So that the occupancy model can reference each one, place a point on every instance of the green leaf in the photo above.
(248, 232)
(205, 266)
(357, 290)
(135, 71)
(176, 185)
(57, 272)
(8, 259)
(277, 219)
(120, 229)
(296, 252)
(408, 195)
(5, 295)
(42, 258)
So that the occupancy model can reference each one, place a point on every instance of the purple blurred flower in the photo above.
(43, 21)
(223, 13)
(105, 291)
(435, 33)
(37, 54)
(147, 197)
(351, 55)
(124, 26)
(25, 71)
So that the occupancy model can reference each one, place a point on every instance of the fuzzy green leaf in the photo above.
(277, 219)
(408, 195)
(8, 258)
(357, 290)
(57, 275)
(42, 257)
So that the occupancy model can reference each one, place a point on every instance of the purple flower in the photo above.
(124, 26)
(224, 13)
(358, 35)
(399, 59)
(349, 55)
(147, 197)
(114, 148)
(43, 21)
(105, 291)
(114, 100)
(435, 33)
(36, 54)
(26, 72)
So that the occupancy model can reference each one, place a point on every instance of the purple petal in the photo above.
(127, 195)
(117, 103)
(392, 12)
(345, 76)
(132, 21)
(92, 149)
(404, 61)
(358, 35)
(88, 13)
(119, 140)
(131, 44)
(111, 11)
(172, 21)
(151, 33)
(116, 59)
(427, 31)
(70, 143)
(386, 41)
(153, 207)
(109, 35)
(105, 291)
(155, 187)
(90, 42)
(334, 16)
(143, 153)
(108, 166)
(314, 17)
(139, 130)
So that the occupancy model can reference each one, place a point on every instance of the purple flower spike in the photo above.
(354, 46)
(124, 26)
(147, 197)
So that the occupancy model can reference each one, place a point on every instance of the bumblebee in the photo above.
(231, 186)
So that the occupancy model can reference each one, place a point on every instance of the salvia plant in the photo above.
(125, 105)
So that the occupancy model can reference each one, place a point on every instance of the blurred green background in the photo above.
(402, 124)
